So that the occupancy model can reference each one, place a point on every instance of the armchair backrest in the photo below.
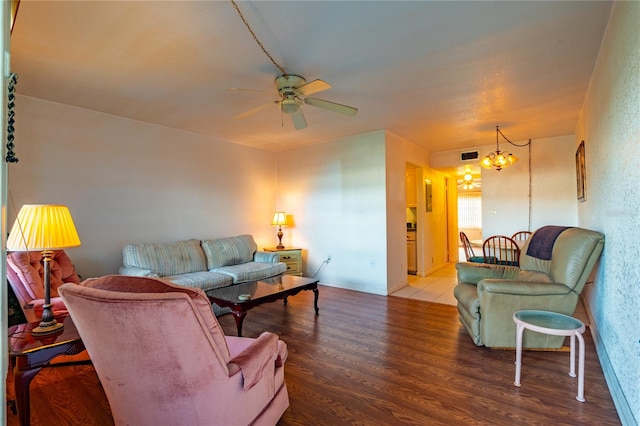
(25, 273)
(574, 254)
(155, 346)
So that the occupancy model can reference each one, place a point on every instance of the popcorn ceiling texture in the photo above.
(610, 127)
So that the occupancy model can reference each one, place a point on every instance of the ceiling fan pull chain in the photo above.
(235, 6)
(11, 97)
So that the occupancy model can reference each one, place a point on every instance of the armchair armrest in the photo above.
(266, 257)
(256, 359)
(473, 273)
(521, 288)
(136, 272)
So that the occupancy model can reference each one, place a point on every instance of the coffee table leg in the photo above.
(315, 300)
(239, 317)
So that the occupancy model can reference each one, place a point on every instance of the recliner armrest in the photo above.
(256, 359)
(521, 288)
(473, 273)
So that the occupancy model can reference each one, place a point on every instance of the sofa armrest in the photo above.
(256, 360)
(521, 288)
(136, 272)
(266, 257)
(473, 273)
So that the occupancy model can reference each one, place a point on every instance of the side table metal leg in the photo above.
(572, 364)
(580, 396)
(519, 332)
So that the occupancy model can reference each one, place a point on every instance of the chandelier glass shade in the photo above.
(499, 159)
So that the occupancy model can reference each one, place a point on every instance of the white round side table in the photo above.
(555, 324)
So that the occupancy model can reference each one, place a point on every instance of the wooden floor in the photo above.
(375, 360)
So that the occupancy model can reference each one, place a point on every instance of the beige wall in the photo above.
(127, 181)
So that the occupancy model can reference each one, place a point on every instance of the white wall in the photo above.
(127, 181)
(336, 193)
(505, 193)
(610, 126)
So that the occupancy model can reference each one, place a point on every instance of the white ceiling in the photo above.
(440, 74)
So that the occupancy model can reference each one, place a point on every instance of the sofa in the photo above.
(203, 264)
(549, 278)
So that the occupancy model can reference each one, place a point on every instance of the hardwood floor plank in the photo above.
(375, 360)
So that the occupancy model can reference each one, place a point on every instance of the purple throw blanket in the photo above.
(541, 244)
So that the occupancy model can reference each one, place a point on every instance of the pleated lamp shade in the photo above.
(40, 227)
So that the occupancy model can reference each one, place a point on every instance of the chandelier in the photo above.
(500, 159)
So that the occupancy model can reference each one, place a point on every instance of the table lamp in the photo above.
(44, 228)
(279, 220)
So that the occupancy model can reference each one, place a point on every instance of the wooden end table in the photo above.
(30, 354)
(259, 292)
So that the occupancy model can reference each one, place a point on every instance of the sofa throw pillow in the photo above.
(229, 251)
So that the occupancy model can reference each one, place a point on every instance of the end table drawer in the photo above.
(290, 256)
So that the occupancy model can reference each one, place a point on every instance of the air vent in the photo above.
(469, 156)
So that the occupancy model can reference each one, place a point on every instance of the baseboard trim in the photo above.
(617, 394)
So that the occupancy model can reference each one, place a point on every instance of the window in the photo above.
(470, 210)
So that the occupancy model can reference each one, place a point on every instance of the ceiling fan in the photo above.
(469, 182)
(294, 91)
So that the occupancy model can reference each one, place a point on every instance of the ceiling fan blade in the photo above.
(298, 120)
(312, 87)
(254, 110)
(331, 106)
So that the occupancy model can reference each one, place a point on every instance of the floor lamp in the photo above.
(44, 228)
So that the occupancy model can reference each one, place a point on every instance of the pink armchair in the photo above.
(163, 359)
(25, 275)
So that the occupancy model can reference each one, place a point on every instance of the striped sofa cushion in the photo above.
(203, 280)
(251, 271)
(229, 251)
(180, 257)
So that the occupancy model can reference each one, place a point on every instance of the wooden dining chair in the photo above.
(521, 236)
(501, 250)
(468, 250)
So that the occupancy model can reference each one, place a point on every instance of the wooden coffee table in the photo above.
(258, 292)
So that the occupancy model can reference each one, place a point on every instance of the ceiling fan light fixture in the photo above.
(290, 105)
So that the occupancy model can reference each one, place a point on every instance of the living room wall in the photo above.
(610, 127)
(335, 193)
(505, 193)
(347, 200)
(128, 181)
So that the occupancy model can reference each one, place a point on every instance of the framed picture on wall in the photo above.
(581, 172)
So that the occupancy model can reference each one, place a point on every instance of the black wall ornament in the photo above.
(11, 156)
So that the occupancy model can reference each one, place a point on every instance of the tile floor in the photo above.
(438, 288)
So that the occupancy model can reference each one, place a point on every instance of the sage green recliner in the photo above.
(489, 295)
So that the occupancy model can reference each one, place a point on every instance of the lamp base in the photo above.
(46, 328)
(279, 246)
